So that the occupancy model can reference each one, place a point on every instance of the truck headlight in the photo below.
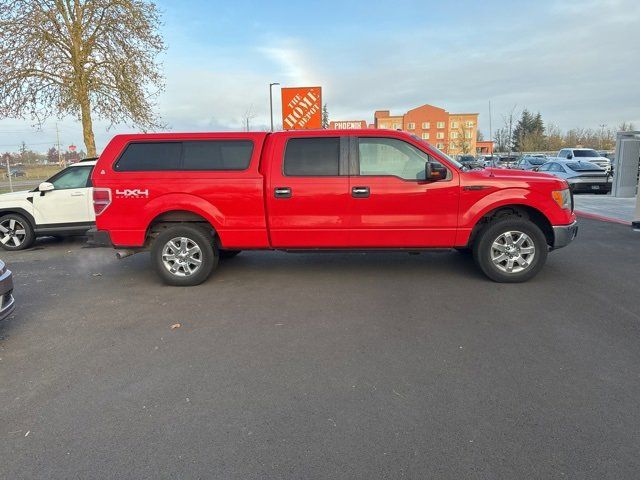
(562, 198)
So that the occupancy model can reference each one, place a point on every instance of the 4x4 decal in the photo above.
(132, 193)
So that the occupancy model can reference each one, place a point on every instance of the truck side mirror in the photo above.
(433, 173)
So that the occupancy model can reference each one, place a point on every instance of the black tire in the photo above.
(11, 227)
(208, 256)
(483, 249)
(226, 254)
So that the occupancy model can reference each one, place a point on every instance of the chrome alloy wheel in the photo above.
(181, 256)
(513, 252)
(12, 232)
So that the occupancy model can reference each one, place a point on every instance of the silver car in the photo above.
(582, 177)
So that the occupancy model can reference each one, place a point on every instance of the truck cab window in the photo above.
(389, 156)
(312, 157)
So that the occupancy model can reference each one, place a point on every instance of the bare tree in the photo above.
(626, 127)
(501, 140)
(509, 121)
(247, 117)
(80, 57)
(461, 138)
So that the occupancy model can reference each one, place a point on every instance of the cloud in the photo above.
(574, 61)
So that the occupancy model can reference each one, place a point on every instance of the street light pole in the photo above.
(271, 101)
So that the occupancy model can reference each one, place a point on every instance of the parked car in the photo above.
(7, 302)
(492, 162)
(16, 173)
(582, 177)
(62, 205)
(195, 198)
(585, 154)
(470, 161)
(508, 161)
(530, 162)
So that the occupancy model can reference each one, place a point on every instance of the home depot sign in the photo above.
(301, 108)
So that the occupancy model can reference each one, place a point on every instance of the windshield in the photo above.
(585, 153)
(437, 150)
(584, 167)
(536, 160)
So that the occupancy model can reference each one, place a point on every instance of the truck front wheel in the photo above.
(184, 255)
(511, 250)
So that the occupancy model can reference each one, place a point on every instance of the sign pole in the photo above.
(271, 101)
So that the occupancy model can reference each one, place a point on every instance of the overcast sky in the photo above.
(577, 62)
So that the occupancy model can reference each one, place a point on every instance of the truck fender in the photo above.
(500, 198)
(183, 202)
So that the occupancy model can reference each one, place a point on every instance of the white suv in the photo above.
(586, 155)
(63, 205)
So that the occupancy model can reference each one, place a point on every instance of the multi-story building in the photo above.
(453, 133)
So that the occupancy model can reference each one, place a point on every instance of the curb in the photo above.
(602, 218)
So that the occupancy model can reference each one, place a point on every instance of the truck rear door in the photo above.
(308, 191)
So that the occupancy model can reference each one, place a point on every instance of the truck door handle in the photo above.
(282, 192)
(360, 192)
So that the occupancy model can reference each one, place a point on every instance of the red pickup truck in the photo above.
(195, 198)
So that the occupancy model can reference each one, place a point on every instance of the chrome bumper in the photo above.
(563, 235)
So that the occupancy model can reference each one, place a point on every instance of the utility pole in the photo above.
(602, 127)
(271, 101)
(58, 141)
(490, 130)
(9, 173)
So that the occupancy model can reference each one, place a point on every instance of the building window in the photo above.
(454, 134)
(440, 135)
(470, 124)
(467, 134)
(426, 125)
(440, 146)
(396, 126)
(440, 125)
(454, 124)
(411, 126)
(425, 136)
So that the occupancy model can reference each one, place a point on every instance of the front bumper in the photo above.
(99, 238)
(563, 235)
(7, 302)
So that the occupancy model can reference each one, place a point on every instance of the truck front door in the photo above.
(392, 205)
(308, 192)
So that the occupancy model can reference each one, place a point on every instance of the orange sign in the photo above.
(301, 108)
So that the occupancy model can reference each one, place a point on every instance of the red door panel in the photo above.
(307, 211)
(402, 213)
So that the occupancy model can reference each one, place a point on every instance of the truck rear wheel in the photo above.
(184, 255)
(511, 250)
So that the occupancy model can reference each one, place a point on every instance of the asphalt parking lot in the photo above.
(324, 366)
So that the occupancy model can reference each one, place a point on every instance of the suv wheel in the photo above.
(16, 232)
(184, 255)
(511, 250)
